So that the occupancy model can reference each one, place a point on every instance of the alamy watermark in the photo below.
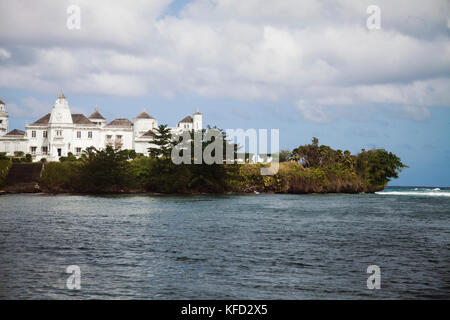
(74, 20)
(374, 280)
(374, 20)
(214, 147)
(74, 280)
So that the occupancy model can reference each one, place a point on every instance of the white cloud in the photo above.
(28, 107)
(416, 113)
(4, 54)
(313, 113)
(316, 52)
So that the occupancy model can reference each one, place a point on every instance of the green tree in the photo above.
(314, 155)
(105, 170)
(378, 166)
(285, 155)
(70, 157)
(211, 177)
(308, 155)
(163, 141)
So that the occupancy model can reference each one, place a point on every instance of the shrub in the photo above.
(62, 177)
(5, 165)
(106, 170)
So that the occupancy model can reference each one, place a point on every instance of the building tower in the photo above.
(60, 125)
(61, 112)
(3, 119)
(198, 123)
(97, 118)
(143, 122)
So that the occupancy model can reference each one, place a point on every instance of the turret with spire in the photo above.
(143, 122)
(97, 118)
(197, 120)
(61, 112)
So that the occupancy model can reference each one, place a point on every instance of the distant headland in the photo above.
(311, 168)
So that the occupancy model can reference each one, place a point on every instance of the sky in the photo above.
(308, 68)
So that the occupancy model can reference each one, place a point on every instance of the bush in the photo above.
(62, 177)
(5, 165)
(106, 170)
(316, 168)
(378, 166)
(70, 157)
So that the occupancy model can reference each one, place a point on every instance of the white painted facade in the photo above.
(60, 132)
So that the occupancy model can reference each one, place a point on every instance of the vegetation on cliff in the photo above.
(5, 165)
(306, 169)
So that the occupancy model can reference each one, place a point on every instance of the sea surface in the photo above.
(257, 246)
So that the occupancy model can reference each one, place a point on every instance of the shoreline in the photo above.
(106, 193)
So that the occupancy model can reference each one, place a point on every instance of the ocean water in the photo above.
(261, 246)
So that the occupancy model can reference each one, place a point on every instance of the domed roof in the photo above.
(187, 119)
(96, 115)
(144, 115)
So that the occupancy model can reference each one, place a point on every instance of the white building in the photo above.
(60, 132)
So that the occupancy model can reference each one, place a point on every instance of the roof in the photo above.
(78, 118)
(61, 96)
(149, 133)
(42, 121)
(96, 115)
(15, 132)
(197, 112)
(120, 122)
(144, 115)
(187, 119)
(1, 102)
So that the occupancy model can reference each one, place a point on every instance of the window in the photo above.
(109, 140)
(89, 134)
(44, 150)
(1, 121)
(119, 137)
(79, 134)
(33, 150)
(59, 132)
(33, 134)
(78, 151)
(44, 134)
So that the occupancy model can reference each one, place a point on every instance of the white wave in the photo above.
(436, 189)
(412, 193)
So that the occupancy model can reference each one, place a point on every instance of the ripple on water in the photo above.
(224, 247)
